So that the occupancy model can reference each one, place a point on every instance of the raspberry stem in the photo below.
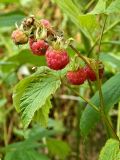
(87, 101)
(79, 55)
(99, 83)
(106, 31)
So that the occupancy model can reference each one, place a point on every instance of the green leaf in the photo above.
(24, 150)
(4, 63)
(3, 102)
(111, 94)
(9, 19)
(110, 151)
(9, 1)
(23, 57)
(70, 9)
(88, 23)
(23, 145)
(110, 58)
(58, 147)
(111, 42)
(33, 93)
(24, 155)
(26, 56)
(19, 148)
(114, 7)
(82, 21)
(99, 8)
(42, 114)
(19, 90)
(37, 132)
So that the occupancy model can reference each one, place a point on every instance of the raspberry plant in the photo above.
(45, 81)
(33, 95)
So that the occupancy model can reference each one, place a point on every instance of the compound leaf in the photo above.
(33, 93)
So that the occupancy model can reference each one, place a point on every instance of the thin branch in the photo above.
(79, 55)
(87, 101)
(101, 36)
(106, 31)
(103, 116)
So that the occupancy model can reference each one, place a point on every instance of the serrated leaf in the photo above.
(18, 92)
(114, 7)
(58, 147)
(32, 93)
(110, 151)
(111, 94)
(99, 8)
(42, 114)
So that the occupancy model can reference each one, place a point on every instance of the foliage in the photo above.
(54, 119)
(32, 95)
(110, 150)
(59, 148)
(111, 94)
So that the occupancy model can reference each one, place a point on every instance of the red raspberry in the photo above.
(77, 77)
(57, 59)
(91, 75)
(45, 23)
(38, 47)
(19, 37)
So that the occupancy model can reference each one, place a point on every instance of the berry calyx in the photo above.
(38, 47)
(56, 59)
(91, 75)
(76, 77)
(19, 37)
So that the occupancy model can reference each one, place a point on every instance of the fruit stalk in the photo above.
(99, 83)
(79, 55)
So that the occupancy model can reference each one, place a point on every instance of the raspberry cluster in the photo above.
(79, 76)
(57, 57)
(44, 41)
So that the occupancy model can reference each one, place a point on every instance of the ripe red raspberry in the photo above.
(91, 75)
(19, 37)
(77, 77)
(57, 59)
(45, 23)
(38, 47)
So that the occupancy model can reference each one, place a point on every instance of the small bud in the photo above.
(30, 21)
(19, 37)
(45, 23)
